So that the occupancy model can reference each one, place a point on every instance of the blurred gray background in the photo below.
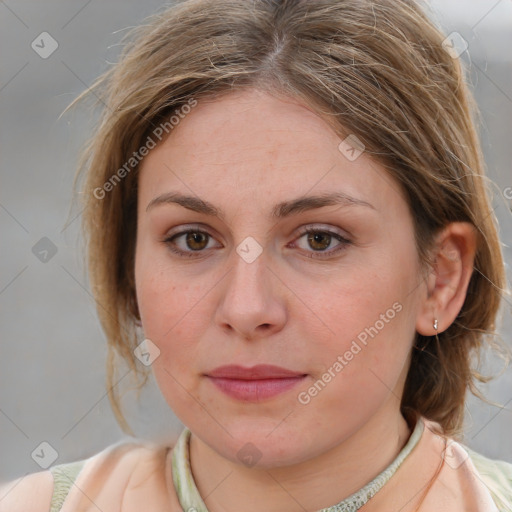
(52, 365)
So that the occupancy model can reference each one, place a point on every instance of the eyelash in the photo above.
(314, 254)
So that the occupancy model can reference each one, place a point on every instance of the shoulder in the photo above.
(30, 492)
(127, 476)
(497, 477)
(467, 478)
(118, 466)
(126, 459)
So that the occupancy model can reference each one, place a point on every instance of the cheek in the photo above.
(156, 296)
(171, 314)
(169, 305)
(363, 302)
(369, 318)
(363, 366)
(163, 295)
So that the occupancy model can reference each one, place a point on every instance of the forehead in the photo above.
(251, 147)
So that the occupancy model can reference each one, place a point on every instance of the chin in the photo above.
(258, 443)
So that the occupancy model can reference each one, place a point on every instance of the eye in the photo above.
(320, 240)
(193, 243)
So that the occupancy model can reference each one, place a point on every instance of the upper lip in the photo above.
(260, 371)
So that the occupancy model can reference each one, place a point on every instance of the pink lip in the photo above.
(254, 384)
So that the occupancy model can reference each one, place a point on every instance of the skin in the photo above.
(290, 307)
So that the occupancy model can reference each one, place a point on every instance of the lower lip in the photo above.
(256, 390)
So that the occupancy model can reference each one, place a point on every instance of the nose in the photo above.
(252, 303)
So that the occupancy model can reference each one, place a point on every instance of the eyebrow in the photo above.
(280, 210)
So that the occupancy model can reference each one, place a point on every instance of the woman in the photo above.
(287, 222)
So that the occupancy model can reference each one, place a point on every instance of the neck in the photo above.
(311, 485)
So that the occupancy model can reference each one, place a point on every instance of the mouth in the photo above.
(254, 384)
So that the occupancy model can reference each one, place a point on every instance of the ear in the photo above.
(447, 283)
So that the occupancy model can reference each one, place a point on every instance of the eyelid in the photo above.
(303, 229)
(186, 228)
(324, 228)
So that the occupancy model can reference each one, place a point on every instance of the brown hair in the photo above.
(376, 69)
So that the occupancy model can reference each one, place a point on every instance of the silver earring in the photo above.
(435, 324)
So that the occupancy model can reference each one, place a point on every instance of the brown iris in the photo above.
(315, 238)
(196, 238)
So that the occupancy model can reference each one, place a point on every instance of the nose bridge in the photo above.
(248, 278)
(249, 299)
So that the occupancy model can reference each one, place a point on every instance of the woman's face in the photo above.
(337, 308)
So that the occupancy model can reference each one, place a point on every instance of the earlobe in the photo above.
(447, 283)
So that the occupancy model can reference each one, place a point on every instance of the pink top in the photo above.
(136, 476)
